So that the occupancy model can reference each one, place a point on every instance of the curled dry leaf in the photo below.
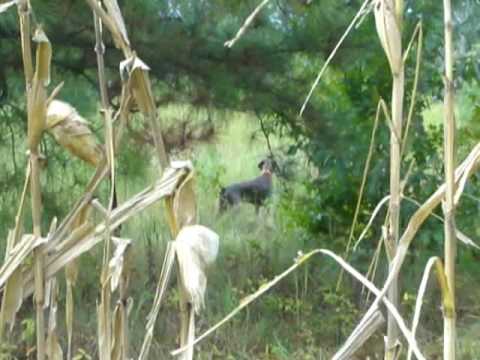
(184, 200)
(37, 96)
(18, 254)
(43, 56)
(142, 91)
(72, 132)
(13, 293)
(196, 247)
(181, 207)
(118, 263)
(389, 33)
(13, 297)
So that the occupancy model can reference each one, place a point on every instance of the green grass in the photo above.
(301, 318)
(252, 250)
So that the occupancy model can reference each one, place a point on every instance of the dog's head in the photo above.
(267, 165)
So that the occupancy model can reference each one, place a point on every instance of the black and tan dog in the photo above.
(254, 191)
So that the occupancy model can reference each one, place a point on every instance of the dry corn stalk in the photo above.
(71, 275)
(113, 20)
(37, 106)
(387, 22)
(53, 349)
(120, 268)
(463, 172)
(449, 336)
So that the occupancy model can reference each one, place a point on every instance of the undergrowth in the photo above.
(304, 317)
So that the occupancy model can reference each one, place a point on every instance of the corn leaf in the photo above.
(18, 255)
(5, 6)
(13, 289)
(57, 259)
(118, 261)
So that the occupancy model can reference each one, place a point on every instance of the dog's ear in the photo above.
(275, 167)
(260, 164)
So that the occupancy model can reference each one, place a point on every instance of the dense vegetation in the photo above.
(245, 96)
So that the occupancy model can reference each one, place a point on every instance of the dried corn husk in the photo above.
(72, 132)
(389, 33)
(196, 247)
(37, 96)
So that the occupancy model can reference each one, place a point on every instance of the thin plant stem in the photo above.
(355, 20)
(298, 262)
(449, 336)
(419, 31)
(38, 254)
(246, 24)
(366, 169)
(100, 51)
(24, 16)
(395, 188)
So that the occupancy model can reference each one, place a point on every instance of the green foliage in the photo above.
(28, 331)
(268, 74)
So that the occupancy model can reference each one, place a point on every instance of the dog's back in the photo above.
(254, 191)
